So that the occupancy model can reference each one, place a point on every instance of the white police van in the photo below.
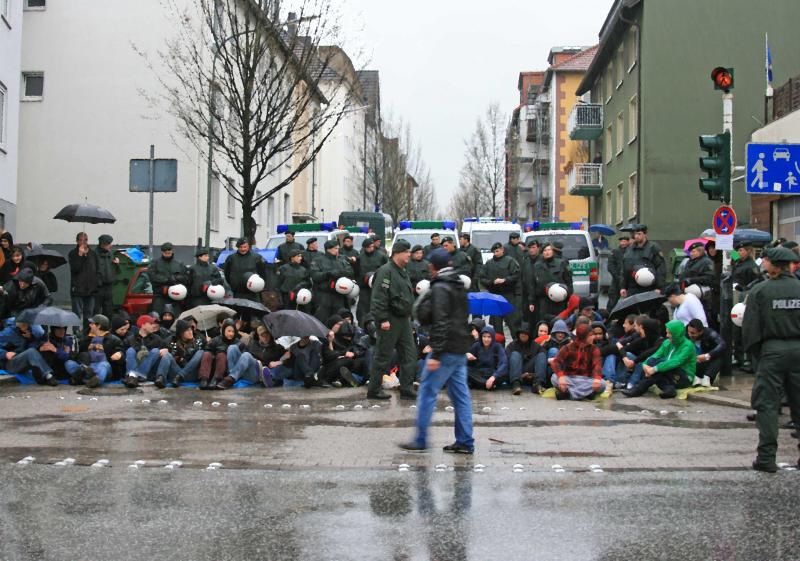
(419, 232)
(485, 232)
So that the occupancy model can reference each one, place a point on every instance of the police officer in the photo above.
(435, 243)
(642, 253)
(418, 266)
(459, 260)
(771, 333)
(699, 270)
(240, 266)
(288, 246)
(551, 268)
(514, 249)
(475, 257)
(745, 274)
(325, 271)
(348, 251)
(501, 275)
(311, 252)
(202, 275)
(292, 276)
(529, 292)
(107, 268)
(369, 261)
(392, 301)
(164, 272)
(615, 270)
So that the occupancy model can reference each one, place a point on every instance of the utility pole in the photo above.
(726, 288)
(152, 189)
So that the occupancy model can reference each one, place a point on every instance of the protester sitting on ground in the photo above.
(14, 264)
(609, 353)
(522, 353)
(144, 348)
(47, 276)
(671, 367)
(638, 350)
(369, 339)
(710, 348)
(56, 351)
(581, 320)
(623, 333)
(487, 361)
(23, 292)
(586, 308)
(559, 336)
(214, 366)
(20, 342)
(542, 332)
(302, 366)
(96, 351)
(255, 360)
(687, 306)
(182, 363)
(578, 367)
(475, 328)
(343, 359)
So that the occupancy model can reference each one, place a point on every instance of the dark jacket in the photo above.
(16, 299)
(183, 351)
(164, 273)
(238, 269)
(83, 272)
(263, 353)
(111, 345)
(49, 279)
(106, 270)
(698, 271)
(503, 268)
(392, 294)
(418, 270)
(201, 276)
(285, 248)
(710, 343)
(445, 312)
(527, 350)
(11, 339)
(643, 347)
(490, 360)
(369, 263)
(649, 255)
(137, 342)
(220, 345)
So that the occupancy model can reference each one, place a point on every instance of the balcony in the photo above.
(586, 121)
(586, 180)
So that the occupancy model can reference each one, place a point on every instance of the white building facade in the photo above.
(11, 16)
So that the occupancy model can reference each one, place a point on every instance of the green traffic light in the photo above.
(717, 164)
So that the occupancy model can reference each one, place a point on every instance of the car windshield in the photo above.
(485, 239)
(274, 241)
(575, 245)
(420, 238)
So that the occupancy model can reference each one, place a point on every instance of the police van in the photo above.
(323, 231)
(578, 249)
(485, 232)
(419, 232)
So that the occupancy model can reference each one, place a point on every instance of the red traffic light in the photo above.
(723, 78)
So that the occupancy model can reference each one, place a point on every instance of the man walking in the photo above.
(444, 310)
(83, 267)
(106, 276)
(392, 300)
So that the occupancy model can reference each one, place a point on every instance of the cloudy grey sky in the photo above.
(442, 62)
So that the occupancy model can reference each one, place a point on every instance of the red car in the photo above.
(139, 294)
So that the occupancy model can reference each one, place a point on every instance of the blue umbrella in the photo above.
(488, 304)
(602, 229)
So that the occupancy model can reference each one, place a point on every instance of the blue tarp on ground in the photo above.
(26, 380)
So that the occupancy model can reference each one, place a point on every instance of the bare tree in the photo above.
(247, 88)
(482, 181)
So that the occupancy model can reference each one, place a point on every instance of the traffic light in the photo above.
(717, 164)
(722, 78)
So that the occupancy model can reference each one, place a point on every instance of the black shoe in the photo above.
(160, 382)
(535, 388)
(633, 392)
(408, 394)
(560, 396)
(380, 394)
(51, 381)
(226, 383)
(412, 447)
(92, 381)
(772, 468)
(751, 417)
(456, 448)
(176, 383)
(347, 376)
(669, 394)
(131, 382)
(77, 378)
(212, 385)
(516, 388)
(203, 385)
(789, 425)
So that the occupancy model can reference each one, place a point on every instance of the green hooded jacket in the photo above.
(678, 352)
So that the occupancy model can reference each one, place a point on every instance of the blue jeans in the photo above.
(542, 367)
(610, 368)
(453, 372)
(146, 367)
(24, 361)
(102, 369)
(516, 365)
(242, 365)
(283, 375)
(168, 368)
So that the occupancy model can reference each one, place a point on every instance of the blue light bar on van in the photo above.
(310, 227)
(426, 225)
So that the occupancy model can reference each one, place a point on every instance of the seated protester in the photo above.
(347, 315)
(623, 333)
(369, 339)
(254, 361)
(609, 353)
(522, 353)
(542, 332)
(56, 351)
(96, 352)
(14, 263)
(144, 348)
(19, 342)
(475, 328)
(671, 367)
(709, 347)
(165, 322)
(47, 276)
(586, 309)
(581, 320)
(302, 366)
(687, 306)
(578, 367)
(24, 291)
(214, 331)
(342, 357)
(120, 326)
(182, 362)
(559, 336)
(214, 366)
(638, 350)
(422, 340)
(488, 364)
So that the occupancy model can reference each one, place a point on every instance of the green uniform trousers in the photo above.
(777, 372)
(399, 338)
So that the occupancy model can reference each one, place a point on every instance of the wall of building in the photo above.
(568, 152)
(10, 72)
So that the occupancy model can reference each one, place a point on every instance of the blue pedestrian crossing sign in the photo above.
(773, 169)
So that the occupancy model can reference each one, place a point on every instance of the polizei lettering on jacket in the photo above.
(786, 304)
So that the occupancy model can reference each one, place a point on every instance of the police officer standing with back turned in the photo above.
(771, 334)
(642, 253)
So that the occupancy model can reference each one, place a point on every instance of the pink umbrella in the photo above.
(688, 243)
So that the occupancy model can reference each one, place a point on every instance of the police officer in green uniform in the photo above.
(348, 251)
(325, 271)
(286, 247)
(529, 293)
(369, 261)
(291, 277)
(548, 269)
(435, 244)
(475, 257)
(771, 334)
(202, 275)
(418, 266)
(459, 260)
(641, 253)
(165, 272)
(501, 275)
(699, 270)
(310, 254)
(514, 248)
(615, 270)
(745, 273)
(240, 266)
(392, 301)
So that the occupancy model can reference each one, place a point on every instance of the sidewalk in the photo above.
(734, 391)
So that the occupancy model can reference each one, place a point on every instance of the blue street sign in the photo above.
(773, 169)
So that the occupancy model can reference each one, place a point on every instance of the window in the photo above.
(620, 203)
(35, 4)
(259, 210)
(231, 206)
(607, 145)
(633, 196)
(609, 81)
(620, 133)
(633, 118)
(3, 111)
(214, 217)
(620, 65)
(286, 209)
(32, 86)
(608, 208)
(633, 48)
(270, 212)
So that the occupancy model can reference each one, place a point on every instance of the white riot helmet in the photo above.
(344, 286)
(466, 281)
(423, 286)
(697, 290)
(644, 277)
(303, 297)
(737, 314)
(177, 292)
(215, 292)
(255, 283)
(557, 292)
(355, 292)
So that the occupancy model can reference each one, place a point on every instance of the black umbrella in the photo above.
(638, 303)
(53, 257)
(84, 212)
(49, 316)
(244, 306)
(294, 323)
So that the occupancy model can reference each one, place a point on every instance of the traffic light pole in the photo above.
(726, 282)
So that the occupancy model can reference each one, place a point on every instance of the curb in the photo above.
(720, 400)
(8, 381)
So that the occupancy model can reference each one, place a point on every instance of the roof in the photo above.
(371, 87)
(579, 62)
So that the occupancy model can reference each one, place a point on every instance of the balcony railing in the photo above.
(586, 121)
(586, 180)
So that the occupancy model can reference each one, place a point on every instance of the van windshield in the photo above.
(485, 239)
(575, 245)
